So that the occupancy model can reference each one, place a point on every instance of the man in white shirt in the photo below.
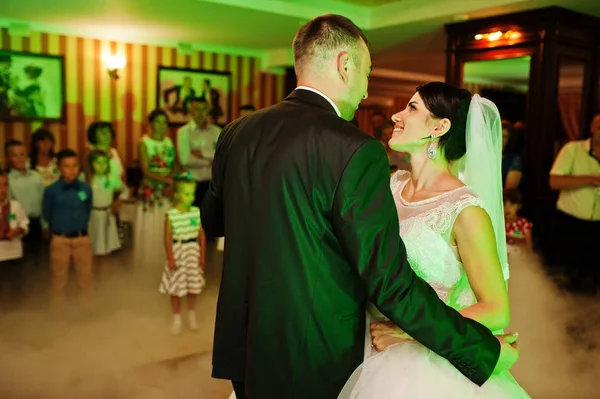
(576, 174)
(26, 187)
(196, 142)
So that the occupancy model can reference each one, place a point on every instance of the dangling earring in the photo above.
(431, 150)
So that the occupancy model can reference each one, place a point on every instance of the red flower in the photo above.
(147, 191)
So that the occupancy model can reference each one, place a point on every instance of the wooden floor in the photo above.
(121, 347)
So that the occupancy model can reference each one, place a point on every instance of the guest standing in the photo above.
(41, 156)
(196, 142)
(67, 206)
(157, 162)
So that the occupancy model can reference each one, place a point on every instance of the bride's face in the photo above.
(413, 126)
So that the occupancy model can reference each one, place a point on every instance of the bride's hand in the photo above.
(385, 334)
(385, 328)
(382, 342)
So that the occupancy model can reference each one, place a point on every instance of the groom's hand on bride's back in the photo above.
(509, 352)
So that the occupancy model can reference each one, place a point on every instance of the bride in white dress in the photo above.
(454, 237)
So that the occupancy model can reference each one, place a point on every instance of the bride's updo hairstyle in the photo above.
(446, 101)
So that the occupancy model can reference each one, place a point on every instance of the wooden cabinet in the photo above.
(554, 38)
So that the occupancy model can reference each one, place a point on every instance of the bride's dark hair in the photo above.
(446, 101)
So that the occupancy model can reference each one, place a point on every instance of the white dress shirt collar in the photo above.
(337, 111)
(16, 173)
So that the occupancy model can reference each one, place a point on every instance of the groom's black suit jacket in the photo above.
(311, 233)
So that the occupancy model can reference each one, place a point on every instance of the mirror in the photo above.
(503, 81)
(506, 83)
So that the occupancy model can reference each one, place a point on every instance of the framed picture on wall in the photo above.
(32, 86)
(176, 87)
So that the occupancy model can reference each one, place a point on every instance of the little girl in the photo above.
(518, 229)
(107, 195)
(185, 244)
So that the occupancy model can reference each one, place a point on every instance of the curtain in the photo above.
(569, 106)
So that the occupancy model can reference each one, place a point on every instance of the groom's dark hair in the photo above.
(324, 34)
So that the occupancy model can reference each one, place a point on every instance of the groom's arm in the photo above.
(211, 208)
(366, 224)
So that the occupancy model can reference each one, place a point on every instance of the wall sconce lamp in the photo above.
(493, 36)
(115, 63)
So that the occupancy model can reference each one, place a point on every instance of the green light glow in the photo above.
(512, 72)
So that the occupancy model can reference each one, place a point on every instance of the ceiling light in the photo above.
(494, 36)
(497, 35)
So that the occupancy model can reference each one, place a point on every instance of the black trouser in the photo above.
(34, 236)
(573, 249)
(33, 244)
(240, 389)
(11, 283)
(201, 189)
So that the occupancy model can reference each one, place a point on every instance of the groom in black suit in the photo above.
(311, 233)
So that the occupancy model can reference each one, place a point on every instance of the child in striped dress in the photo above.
(185, 244)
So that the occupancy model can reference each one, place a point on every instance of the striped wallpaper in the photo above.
(91, 95)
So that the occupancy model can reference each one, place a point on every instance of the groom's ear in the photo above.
(343, 63)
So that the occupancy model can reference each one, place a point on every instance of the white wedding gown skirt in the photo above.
(409, 370)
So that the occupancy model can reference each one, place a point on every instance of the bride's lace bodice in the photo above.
(426, 228)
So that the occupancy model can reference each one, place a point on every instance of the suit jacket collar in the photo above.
(307, 96)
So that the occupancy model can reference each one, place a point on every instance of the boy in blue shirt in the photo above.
(67, 205)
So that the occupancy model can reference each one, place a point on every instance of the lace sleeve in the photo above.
(466, 200)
